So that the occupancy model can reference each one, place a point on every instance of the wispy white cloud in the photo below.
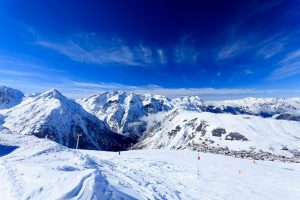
(275, 44)
(162, 56)
(186, 50)
(248, 72)
(264, 42)
(287, 67)
(21, 68)
(261, 51)
(264, 48)
(232, 50)
(253, 9)
(295, 55)
(285, 71)
(103, 86)
(95, 49)
(270, 48)
(16, 73)
(25, 64)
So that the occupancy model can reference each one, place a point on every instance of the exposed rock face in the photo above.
(174, 131)
(288, 116)
(218, 132)
(122, 111)
(235, 136)
(202, 128)
(9, 97)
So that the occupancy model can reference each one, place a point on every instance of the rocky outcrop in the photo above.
(218, 132)
(235, 136)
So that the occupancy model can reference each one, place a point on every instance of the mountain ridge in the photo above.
(52, 115)
(10, 97)
(116, 120)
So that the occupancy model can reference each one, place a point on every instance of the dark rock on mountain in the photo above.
(218, 132)
(235, 136)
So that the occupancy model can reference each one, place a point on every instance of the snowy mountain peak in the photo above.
(122, 110)
(54, 94)
(192, 103)
(58, 118)
(9, 97)
(266, 107)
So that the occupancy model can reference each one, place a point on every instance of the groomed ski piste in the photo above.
(32, 168)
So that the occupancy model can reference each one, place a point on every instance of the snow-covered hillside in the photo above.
(51, 115)
(122, 111)
(281, 108)
(222, 133)
(9, 97)
(32, 168)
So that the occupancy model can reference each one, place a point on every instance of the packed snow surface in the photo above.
(32, 168)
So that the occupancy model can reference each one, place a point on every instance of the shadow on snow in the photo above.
(4, 149)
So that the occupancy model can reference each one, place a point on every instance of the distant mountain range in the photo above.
(51, 115)
(116, 120)
(9, 97)
(122, 111)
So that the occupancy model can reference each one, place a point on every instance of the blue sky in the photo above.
(214, 49)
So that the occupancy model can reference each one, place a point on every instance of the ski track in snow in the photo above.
(41, 169)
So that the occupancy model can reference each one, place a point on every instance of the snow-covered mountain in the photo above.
(191, 103)
(122, 110)
(51, 115)
(281, 108)
(243, 135)
(249, 125)
(9, 97)
(120, 118)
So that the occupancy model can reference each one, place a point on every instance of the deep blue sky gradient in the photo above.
(160, 46)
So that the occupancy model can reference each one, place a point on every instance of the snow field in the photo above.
(42, 169)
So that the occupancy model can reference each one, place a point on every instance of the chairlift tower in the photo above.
(77, 137)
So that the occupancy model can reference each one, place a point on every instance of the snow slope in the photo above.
(122, 110)
(183, 129)
(53, 116)
(32, 168)
(9, 97)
